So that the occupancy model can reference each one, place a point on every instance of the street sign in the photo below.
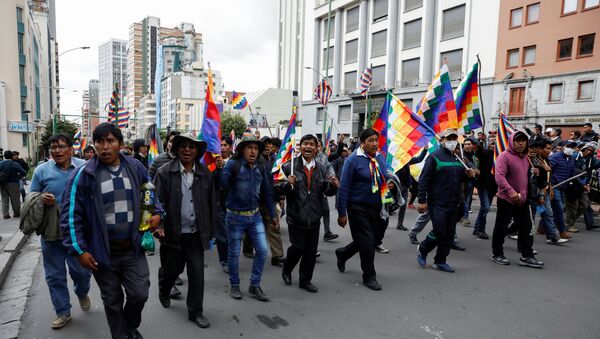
(20, 126)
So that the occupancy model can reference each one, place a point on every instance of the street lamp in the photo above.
(26, 112)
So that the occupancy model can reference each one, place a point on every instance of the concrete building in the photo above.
(404, 41)
(112, 68)
(85, 114)
(146, 115)
(94, 109)
(548, 66)
(27, 73)
(290, 44)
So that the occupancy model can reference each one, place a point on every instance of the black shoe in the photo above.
(235, 292)
(7, 217)
(401, 228)
(178, 281)
(16, 215)
(341, 264)
(277, 261)
(134, 335)
(413, 239)
(483, 235)
(257, 293)
(309, 287)
(200, 321)
(530, 262)
(593, 227)
(328, 236)
(500, 260)
(373, 284)
(287, 277)
(165, 301)
(175, 293)
(457, 247)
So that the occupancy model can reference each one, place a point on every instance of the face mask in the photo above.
(451, 145)
(568, 151)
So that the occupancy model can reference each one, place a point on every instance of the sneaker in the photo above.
(413, 239)
(565, 235)
(200, 321)
(60, 322)
(556, 241)
(381, 249)
(257, 293)
(443, 267)
(466, 222)
(148, 253)
(235, 292)
(421, 259)
(328, 236)
(530, 262)
(534, 251)
(483, 235)
(500, 260)
(401, 228)
(85, 303)
(514, 237)
(573, 229)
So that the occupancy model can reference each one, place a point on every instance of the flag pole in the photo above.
(479, 93)
(117, 104)
(327, 51)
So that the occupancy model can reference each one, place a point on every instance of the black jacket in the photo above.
(486, 163)
(204, 191)
(304, 207)
(441, 180)
(403, 174)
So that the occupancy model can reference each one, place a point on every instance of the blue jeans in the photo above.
(468, 199)
(547, 219)
(558, 208)
(237, 225)
(54, 255)
(485, 199)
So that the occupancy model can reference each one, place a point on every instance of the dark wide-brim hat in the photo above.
(178, 139)
(247, 139)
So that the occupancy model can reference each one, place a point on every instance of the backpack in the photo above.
(4, 171)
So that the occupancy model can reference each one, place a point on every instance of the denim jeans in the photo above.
(253, 225)
(558, 208)
(485, 199)
(468, 199)
(547, 219)
(54, 255)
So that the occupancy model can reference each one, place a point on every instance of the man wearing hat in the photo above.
(187, 191)
(247, 183)
(581, 204)
(441, 194)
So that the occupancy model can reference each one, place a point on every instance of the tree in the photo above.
(62, 126)
(234, 122)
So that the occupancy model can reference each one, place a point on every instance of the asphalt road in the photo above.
(480, 300)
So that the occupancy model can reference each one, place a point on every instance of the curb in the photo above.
(10, 251)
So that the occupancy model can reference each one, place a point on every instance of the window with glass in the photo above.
(586, 45)
(555, 92)
(528, 55)
(454, 60)
(24, 139)
(352, 16)
(378, 43)
(19, 14)
(326, 27)
(517, 101)
(378, 77)
(380, 10)
(453, 23)
(412, 34)
(569, 6)
(565, 48)
(409, 5)
(410, 71)
(20, 43)
(533, 13)
(585, 90)
(320, 114)
(351, 51)
(589, 4)
(516, 17)
(350, 81)
(328, 57)
(22, 74)
(512, 58)
(344, 113)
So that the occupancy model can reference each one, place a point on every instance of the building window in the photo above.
(350, 81)
(412, 34)
(351, 51)
(410, 72)
(19, 14)
(586, 45)
(378, 77)
(344, 113)
(22, 74)
(24, 139)
(585, 90)
(512, 58)
(352, 16)
(328, 58)
(380, 10)
(589, 4)
(569, 7)
(516, 17)
(555, 93)
(533, 13)
(326, 27)
(378, 43)
(454, 23)
(319, 114)
(517, 101)
(565, 48)
(454, 60)
(409, 5)
(528, 55)
(20, 43)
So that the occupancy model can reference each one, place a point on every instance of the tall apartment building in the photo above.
(112, 68)
(403, 41)
(290, 44)
(548, 63)
(85, 114)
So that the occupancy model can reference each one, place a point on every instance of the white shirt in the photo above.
(187, 176)
(308, 165)
(361, 153)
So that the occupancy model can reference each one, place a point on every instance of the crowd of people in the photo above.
(94, 208)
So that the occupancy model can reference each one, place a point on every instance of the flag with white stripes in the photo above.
(366, 79)
(323, 92)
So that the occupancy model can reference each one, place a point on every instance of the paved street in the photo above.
(480, 300)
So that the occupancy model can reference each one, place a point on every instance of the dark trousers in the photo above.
(522, 222)
(129, 273)
(10, 192)
(443, 219)
(221, 238)
(366, 227)
(402, 209)
(305, 242)
(190, 253)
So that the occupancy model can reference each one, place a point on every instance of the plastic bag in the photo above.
(148, 242)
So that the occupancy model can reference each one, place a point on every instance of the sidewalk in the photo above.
(10, 245)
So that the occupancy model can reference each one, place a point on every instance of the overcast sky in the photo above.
(240, 38)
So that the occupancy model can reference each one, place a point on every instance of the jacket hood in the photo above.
(511, 147)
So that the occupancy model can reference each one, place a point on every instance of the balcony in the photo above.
(20, 28)
(23, 90)
(22, 59)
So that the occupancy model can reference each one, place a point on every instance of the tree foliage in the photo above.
(234, 122)
(62, 126)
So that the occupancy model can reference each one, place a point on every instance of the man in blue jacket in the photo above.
(563, 167)
(100, 219)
